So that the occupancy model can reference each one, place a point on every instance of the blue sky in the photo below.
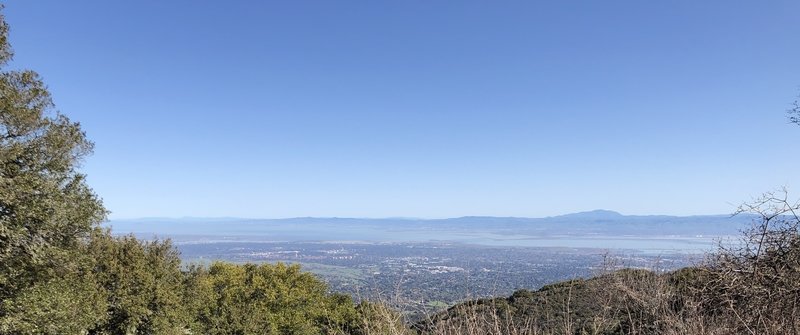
(422, 108)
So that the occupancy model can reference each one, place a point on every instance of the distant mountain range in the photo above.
(470, 228)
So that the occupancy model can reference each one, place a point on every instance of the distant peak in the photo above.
(595, 214)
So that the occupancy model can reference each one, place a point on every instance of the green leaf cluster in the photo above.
(142, 283)
(47, 211)
(265, 299)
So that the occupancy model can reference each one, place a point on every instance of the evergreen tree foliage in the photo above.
(46, 208)
(266, 299)
(69, 305)
(142, 282)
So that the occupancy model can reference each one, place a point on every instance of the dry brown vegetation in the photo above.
(751, 286)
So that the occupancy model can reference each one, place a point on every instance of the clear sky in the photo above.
(422, 108)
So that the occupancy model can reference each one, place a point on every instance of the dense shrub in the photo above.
(265, 299)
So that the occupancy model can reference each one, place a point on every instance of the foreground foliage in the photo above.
(47, 211)
(265, 299)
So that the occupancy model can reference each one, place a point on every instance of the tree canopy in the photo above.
(46, 207)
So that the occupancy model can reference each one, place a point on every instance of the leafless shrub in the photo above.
(794, 113)
(754, 285)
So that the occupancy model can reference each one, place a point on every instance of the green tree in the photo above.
(46, 209)
(142, 282)
(266, 299)
(68, 305)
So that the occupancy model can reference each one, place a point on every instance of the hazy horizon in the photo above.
(406, 217)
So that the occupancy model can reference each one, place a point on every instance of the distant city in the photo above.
(413, 260)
